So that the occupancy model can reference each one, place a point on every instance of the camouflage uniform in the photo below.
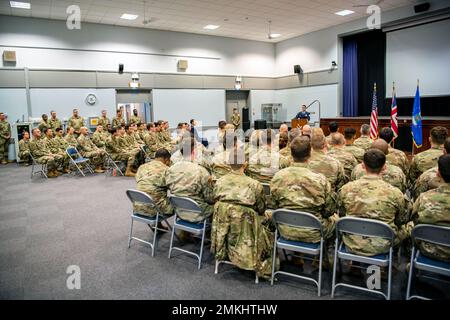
(428, 180)
(347, 160)
(218, 165)
(187, 179)
(89, 150)
(115, 148)
(103, 121)
(238, 231)
(398, 158)
(55, 148)
(61, 143)
(54, 124)
(424, 161)
(5, 130)
(117, 122)
(331, 168)
(265, 163)
(24, 150)
(99, 139)
(137, 138)
(42, 154)
(372, 198)
(135, 120)
(43, 126)
(363, 142)
(358, 153)
(392, 175)
(236, 120)
(150, 179)
(433, 207)
(75, 123)
(71, 139)
(298, 188)
(151, 142)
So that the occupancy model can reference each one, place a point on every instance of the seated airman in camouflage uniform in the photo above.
(428, 159)
(364, 142)
(89, 150)
(70, 137)
(372, 198)
(339, 152)
(239, 233)
(395, 157)
(24, 148)
(433, 207)
(118, 152)
(390, 174)
(99, 137)
(42, 154)
(349, 135)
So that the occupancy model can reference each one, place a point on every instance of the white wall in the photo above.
(423, 53)
(257, 98)
(63, 101)
(233, 56)
(14, 103)
(181, 105)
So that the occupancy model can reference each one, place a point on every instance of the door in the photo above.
(140, 100)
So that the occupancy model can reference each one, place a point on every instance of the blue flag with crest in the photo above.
(416, 124)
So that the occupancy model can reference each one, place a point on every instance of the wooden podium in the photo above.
(295, 123)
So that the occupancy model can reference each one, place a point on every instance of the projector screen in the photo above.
(423, 53)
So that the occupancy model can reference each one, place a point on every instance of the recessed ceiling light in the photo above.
(211, 27)
(20, 5)
(344, 12)
(128, 16)
(275, 35)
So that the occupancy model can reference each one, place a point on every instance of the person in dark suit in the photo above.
(303, 114)
(194, 132)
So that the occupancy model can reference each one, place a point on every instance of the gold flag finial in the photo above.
(374, 85)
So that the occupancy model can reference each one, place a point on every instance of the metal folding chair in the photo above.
(366, 228)
(38, 168)
(112, 165)
(437, 235)
(141, 197)
(77, 161)
(298, 219)
(188, 205)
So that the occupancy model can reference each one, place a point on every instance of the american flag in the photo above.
(374, 115)
(394, 123)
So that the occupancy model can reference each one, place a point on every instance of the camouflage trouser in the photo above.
(25, 156)
(53, 161)
(4, 144)
(97, 157)
(162, 203)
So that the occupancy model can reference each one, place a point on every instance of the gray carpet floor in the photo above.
(48, 225)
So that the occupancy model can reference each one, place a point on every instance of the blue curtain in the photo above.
(350, 85)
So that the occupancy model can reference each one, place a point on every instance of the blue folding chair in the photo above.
(366, 228)
(38, 168)
(437, 235)
(77, 161)
(112, 165)
(187, 205)
(136, 196)
(297, 219)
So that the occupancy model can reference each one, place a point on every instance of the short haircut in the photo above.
(43, 115)
(112, 130)
(32, 131)
(46, 130)
(52, 111)
(387, 134)
(349, 133)
(374, 160)
(381, 145)
(294, 133)
(58, 129)
(318, 140)
(365, 129)
(301, 149)
(447, 145)
(333, 126)
(283, 140)
(191, 121)
(150, 125)
(162, 154)
(222, 124)
(438, 135)
(337, 139)
(118, 110)
(444, 167)
(75, 110)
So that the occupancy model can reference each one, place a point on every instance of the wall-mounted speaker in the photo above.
(121, 68)
(422, 7)
(260, 124)
(298, 69)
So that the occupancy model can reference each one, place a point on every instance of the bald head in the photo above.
(381, 145)
(306, 130)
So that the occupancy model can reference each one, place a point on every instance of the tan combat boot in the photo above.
(98, 169)
(129, 172)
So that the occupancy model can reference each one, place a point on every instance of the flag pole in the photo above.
(393, 92)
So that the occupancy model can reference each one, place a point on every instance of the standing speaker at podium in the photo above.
(303, 114)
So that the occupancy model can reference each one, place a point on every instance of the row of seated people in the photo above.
(305, 180)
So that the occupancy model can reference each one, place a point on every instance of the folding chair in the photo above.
(145, 149)
(438, 235)
(142, 197)
(365, 228)
(112, 165)
(188, 205)
(38, 168)
(297, 219)
(77, 161)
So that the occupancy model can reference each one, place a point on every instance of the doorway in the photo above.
(237, 100)
(140, 100)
